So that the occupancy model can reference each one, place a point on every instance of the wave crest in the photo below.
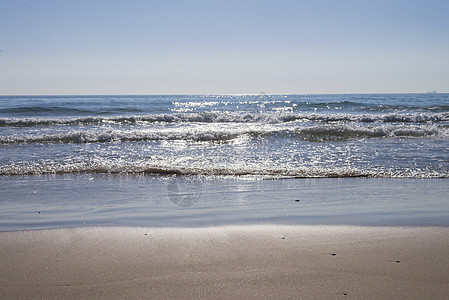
(231, 117)
(318, 133)
(267, 173)
(343, 132)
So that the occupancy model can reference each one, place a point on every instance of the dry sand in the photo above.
(239, 262)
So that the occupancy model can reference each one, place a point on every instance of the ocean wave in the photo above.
(231, 117)
(317, 133)
(343, 132)
(387, 108)
(57, 110)
(114, 136)
(266, 173)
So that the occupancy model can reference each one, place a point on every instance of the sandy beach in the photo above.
(307, 262)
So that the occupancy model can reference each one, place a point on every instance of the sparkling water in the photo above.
(269, 136)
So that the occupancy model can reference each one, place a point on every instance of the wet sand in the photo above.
(321, 262)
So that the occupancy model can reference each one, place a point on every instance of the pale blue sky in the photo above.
(218, 47)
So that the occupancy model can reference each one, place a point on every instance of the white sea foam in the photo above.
(232, 117)
(335, 132)
(228, 132)
(268, 171)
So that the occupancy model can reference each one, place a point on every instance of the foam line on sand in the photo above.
(226, 262)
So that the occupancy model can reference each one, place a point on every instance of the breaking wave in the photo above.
(231, 117)
(318, 133)
(265, 173)
(342, 132)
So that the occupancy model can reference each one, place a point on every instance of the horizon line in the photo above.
(222, 94)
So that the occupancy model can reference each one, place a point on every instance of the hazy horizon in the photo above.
(220, 94)
(214, 47)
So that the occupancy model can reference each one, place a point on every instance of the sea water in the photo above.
(218, 159)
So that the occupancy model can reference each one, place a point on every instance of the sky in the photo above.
(223, 47)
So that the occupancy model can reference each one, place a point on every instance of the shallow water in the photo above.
(50, 201)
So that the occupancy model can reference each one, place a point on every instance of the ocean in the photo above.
(219, 159)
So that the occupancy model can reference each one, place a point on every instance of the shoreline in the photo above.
(257, 261)
(39, 202)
